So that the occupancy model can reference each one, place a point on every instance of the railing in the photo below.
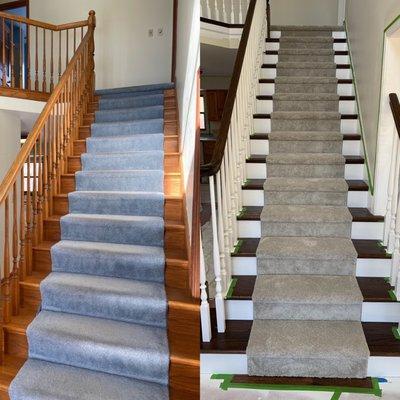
(392, 218)
(230, 12)
(27, 190)
(226, 171)
(34, 54)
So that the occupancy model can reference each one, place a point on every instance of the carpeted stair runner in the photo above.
(101, 332)
(307, 303)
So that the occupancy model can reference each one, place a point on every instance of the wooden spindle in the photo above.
(21, 57)
(51, 61)
(6, 254)
(15, 268)
(39, 222)
(45, 172)
(44, 86)
(22, 228)
(59, 56)
(74, 40)
(3, 64)
(28, 234)
(36, 59)
(34, 198)
(67, 48)
(12, 64)
(28, 63)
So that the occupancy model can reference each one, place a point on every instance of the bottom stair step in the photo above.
(130, 350)
(105, 297)
(322, 349)
(41, 380)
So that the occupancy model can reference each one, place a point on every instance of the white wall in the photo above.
(187, 65)
(125, 55)
(366, 21)
(304, 12)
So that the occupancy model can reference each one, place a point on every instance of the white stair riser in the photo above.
(271, 46)
(213, 363)
(263, 125)
(261, 147)
(366, 267)
(274, 58)
(371, 312)
(270, 73)
(345, 107)
(259, 171)
(336, 34)
(344, 89)
(359, 230)
(256, 198)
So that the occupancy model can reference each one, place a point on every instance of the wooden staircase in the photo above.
(183, 316)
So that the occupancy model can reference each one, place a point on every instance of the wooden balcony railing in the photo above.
(34, 54)
(27, 190)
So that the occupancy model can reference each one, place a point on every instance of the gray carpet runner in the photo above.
(307, 303)
(101, 332)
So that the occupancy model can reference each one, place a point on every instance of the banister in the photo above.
(44, 25)
(214, 165)
(27, 147)
(395, 107)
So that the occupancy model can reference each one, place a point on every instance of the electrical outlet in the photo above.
(151, 33)
(160, 31)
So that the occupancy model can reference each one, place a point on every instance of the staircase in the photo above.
(308, 293)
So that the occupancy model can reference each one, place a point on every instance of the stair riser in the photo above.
(305, 33)
(260, 171)
(332, 229)
(367, 312)
(359, 230)
(268, 89)
(256, 198)
(339, 73)
(349, 147)
(296, 45)
(315, 312)
(275, 34)
(306, 198)
(268, 106)
(15, 343)
(79, 148)
(156, 100)
(365, 267)
(275, 58)
(30, 296)
(236, 363)
(116, 129)
(303, 146)
(149, 113)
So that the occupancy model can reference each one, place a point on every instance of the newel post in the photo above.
(92, 27)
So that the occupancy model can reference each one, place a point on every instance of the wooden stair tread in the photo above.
(20, 322)
(365, 248)
(34, 279)
(373, 289)
(262, 159)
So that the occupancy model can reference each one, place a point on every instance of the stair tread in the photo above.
(315, 115)
(80, 383)
(305, 136)
(305, 158)
(306, 96)
(307, 289)
(89, 342)
(105, 297)
(306, 248)
(333, 28)
(305, 185)
(305, 213)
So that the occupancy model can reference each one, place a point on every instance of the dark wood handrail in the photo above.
(395, 106)
(214, 165)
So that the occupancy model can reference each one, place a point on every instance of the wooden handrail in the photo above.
(44, 25)
(395, 107)
(214, 165)
(35, 176)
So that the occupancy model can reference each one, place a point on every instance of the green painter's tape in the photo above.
(392, 295)
(396, 332)
(242, 212)
(227, 384)
(238, 245)
(231, 288)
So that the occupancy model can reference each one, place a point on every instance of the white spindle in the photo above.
(396, 251)
(232, 13)
(219, 300)
(224, 15)
(240, 12)
(208, 9)
(394, 200)
(216, 10)
(204, 306)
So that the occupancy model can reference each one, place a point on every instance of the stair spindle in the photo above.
(28, 64)
(74, 40)
(22, 228)
(28, 236)
(44, 62)
(51, 61)
(21, 58)
(216, 10)
(12, 64)
(232, 13)
(3, 64)
(59, 56)
(241, 21)
(6, 254)
(224, 14)
(36, 59)
(67, 47)
(15, 268)
(208, 9)
(35, 198)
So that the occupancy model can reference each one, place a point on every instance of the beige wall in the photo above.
(304, 12)
(366, 21)
(125, 55)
